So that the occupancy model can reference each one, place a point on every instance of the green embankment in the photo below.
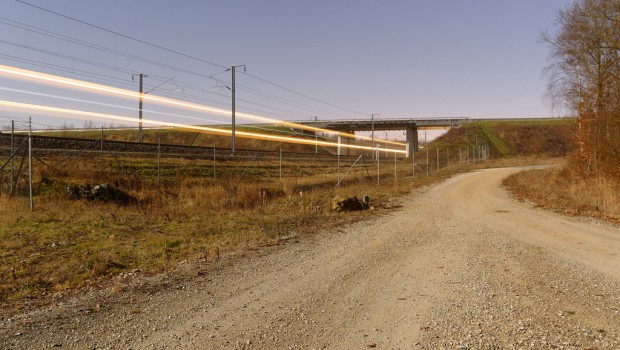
(495, 140)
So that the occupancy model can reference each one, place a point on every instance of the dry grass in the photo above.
(190, 215)
(66, 244)
(563, 190)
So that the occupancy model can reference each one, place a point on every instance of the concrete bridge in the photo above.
(410, 125)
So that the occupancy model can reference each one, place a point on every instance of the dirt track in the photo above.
(459, 266)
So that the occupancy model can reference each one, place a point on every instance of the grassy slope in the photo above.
(515, 138)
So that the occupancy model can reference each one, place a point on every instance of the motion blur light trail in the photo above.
(84, 85)
(101, 104)
(244, 134)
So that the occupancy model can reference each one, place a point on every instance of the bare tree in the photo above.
(584, 77)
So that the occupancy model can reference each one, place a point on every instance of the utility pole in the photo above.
(233, 90)
(141, 75)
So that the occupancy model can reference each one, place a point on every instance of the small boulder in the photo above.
(348, 203)
(101, 192)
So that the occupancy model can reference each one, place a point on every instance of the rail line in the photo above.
(52, 145)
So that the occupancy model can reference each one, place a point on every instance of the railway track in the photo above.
(58, 146)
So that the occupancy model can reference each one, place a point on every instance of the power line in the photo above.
(95, 46)
(126, 71)
(122, 35)
(302, 94)
(189, 56)
(117, 81)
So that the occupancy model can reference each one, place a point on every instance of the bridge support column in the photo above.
(412, 141)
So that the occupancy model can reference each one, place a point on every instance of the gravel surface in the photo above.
(458, 265)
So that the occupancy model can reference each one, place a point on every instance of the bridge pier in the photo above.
(412, 141)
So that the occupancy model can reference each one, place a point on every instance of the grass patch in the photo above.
(190, 216)
(562, 190)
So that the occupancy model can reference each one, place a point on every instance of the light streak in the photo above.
(40, 94)
(101, 103)
(244, 134)
(80, 84)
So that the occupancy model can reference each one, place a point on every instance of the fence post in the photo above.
(101, 158)
(473, 154)
(338, 182)
(413, 162)
(362, 167)
(280, 182)
(378, 168)
(30, 160)
(158, 158)
(213, 161)
(258, 163)
(395, 164)
(316, 136)
(427, 161)
(12, 147)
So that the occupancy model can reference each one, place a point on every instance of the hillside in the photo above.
(514, 138)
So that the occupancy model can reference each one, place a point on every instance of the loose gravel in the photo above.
(457, 265)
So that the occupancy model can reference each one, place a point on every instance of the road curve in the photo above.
(458, 265)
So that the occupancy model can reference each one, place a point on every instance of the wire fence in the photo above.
(134, 166)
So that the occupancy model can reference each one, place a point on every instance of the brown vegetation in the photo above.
(562, 190)
(188, 217)
(584, 77)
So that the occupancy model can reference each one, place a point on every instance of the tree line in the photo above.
(584, 77)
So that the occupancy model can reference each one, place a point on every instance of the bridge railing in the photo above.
(382, 120)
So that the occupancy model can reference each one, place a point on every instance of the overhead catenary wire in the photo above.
(187, 56)
(268, 137)
(135, 109)
(123, 35)
(108, 78)
(255, 91)
(19, 73)
(116, 80)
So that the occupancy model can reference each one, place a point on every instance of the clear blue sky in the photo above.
(440, 58)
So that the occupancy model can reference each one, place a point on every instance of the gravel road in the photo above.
(458, 265)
